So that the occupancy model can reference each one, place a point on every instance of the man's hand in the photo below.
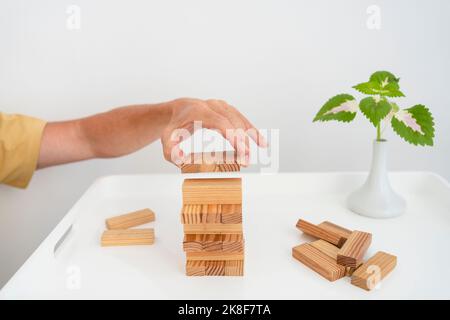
(124, 130)
(213, 114)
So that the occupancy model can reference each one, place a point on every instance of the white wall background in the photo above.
(278, 61)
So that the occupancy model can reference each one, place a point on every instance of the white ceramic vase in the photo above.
(375, 198)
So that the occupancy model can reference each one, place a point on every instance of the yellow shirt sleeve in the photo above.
(20, 142)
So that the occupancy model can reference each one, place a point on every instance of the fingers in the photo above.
(171, 139)
(227, 129)
(238, 130)
(253, 132)
(215, 115)
(240, 121)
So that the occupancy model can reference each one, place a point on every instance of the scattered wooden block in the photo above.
(215, 268)
(374, 270)
(234, 268)
(320, 233)
(211, 162)
(212, 228)
(129, 237)
(318, 261)
(327, 248)
(195, 268)
(352, 252)
(331, 251)
(131, 219)
(216, 255)
(212, 191)
(343, 232)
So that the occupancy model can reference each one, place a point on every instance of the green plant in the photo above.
(415, 124)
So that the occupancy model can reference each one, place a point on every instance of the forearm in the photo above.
(124, 130)
(111, 134)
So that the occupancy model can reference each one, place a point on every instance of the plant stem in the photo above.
(379, 131)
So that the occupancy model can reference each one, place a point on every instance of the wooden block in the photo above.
(211, 213)
(193, 242)
(231, 213)
(211, 162)
(234, 268)
(215, 268)
(129, 237)
(131, 219)
(352, 252)
(331, 251)
(212, 191)
(212, 242)
(192, 214)
(374, 270)
(318, 261)
(232, 243)
(195, 268)
(212, 228)
(320, 233)
(344, 233)
(219, 256)
(326, 247)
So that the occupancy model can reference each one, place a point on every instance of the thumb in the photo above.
(171, 139)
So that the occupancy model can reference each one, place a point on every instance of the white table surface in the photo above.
(81, 269)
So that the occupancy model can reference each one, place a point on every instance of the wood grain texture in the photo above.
(193, 242)
(341, 231)
(219, 256)
(368, 275)
(215, 268)
(329, 249)
(232, 243)
(320, 233)
(352, 252)
(212, 228)
(195, 268)
(211, 213)
(234, 268)
(318, 261)
(131, 219)
(213, 242)
(128, 237)
(192, 214)
(231, 213)
(212, 191)
(211, 162)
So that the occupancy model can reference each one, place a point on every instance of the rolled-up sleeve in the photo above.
(20, 142)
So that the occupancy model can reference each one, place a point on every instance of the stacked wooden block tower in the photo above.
(212, 217)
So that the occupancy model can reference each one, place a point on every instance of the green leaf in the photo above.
(392, 90)
(374, 110)
(395, 106)
(368, 88)
(375, 88)
(342, 107)
(381, 83)
(422, 117)
(383, 76)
